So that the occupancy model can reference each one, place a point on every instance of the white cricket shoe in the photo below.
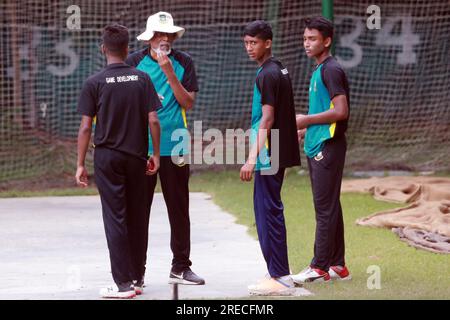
(114, 293)
(273, 287)
(311, 275)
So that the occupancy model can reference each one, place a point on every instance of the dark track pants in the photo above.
(326, 179)
(122, 185)
(270, 222)
(175, 187)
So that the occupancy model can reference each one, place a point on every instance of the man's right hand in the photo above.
(152, 165)
(81, 177)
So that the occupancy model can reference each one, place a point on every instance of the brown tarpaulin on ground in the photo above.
(424, 223)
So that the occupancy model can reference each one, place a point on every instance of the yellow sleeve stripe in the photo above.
(183, 114)
(333, 125)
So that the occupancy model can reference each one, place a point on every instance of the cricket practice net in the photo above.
(399, 74)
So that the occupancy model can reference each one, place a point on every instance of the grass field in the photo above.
(406, 273)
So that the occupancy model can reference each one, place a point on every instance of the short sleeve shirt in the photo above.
(273, 87)
(120, 97)
(172, 117)
(327, 81)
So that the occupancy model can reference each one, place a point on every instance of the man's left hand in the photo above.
(301, 134)
(302, 121)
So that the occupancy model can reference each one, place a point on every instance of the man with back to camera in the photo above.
(325, 147)
(124, 102)
(173, 75)
(272, 109)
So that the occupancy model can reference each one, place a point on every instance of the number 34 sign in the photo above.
(385, 36)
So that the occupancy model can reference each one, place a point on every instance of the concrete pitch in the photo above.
(55, 248)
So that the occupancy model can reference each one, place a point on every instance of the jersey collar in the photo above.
(116, 65)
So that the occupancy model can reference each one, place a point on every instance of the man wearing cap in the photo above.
(173, 75)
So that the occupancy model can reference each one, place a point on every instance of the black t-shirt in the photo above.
(335, 80)
(120, 97)
(275, 87)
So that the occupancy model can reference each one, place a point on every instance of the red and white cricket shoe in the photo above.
(339, 273)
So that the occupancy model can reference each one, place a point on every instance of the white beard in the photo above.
(159, 51)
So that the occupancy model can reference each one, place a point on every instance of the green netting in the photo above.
(399, 75)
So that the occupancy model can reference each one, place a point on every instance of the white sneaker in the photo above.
(138, 289)
(311, 275)
(138, 286)
(267, 276)
(273, 287)
(114, 293)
